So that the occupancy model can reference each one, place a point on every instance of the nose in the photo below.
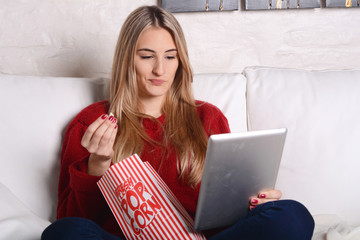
(159, 68)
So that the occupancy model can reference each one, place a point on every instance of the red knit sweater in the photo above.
(79, 195)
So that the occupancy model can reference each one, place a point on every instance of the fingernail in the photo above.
(115, 127)
(114, 120)
(252, 207)
(262, 195)
(103, 116)
(254, 201)
(111, 118)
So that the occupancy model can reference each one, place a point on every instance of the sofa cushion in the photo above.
(320, 109)
(17, 221)
(36, 111)
(227, 92)
(34, 114)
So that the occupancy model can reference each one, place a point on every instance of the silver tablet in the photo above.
(237, 166)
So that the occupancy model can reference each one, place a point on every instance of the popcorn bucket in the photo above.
(143, 204)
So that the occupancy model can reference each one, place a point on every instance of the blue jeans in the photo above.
(284, 219)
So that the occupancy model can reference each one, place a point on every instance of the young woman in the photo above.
(156, 116)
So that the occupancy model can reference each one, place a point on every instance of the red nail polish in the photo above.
(114, 120)
(115, 127)
(262, 195)
(252, 207)
(103, 116)
(111, 118)
(254, 201)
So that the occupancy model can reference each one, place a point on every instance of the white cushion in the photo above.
(320, 165)
(227, 92)
(34, 114)
(331, 227)
(36, 111)
(17, 222)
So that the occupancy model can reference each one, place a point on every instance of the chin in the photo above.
(157, 92)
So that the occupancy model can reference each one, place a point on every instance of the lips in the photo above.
(157, 82)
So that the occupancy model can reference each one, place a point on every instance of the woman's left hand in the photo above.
(265, 196)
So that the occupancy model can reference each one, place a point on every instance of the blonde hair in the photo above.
(183, 130)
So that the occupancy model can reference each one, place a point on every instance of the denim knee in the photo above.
(289, 219)
(70, 228)
(284, 219)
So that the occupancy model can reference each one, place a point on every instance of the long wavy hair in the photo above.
(183, 130)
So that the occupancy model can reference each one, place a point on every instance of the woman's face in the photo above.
(156, 62)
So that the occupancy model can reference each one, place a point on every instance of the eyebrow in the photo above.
(152, 51)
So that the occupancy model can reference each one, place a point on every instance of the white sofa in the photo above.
(320, 165)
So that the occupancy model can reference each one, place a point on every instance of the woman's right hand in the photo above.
(99, 140)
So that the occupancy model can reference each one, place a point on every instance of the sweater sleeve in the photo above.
(78, 193)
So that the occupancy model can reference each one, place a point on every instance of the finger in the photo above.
(113, 136)
(254, 201)
(251, 207)
(258, 201)
(263, 197)
(107, 141)
(108, 149)
(85, 141)
(270, 194)
(101, 136)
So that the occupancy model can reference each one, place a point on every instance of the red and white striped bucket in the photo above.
(143, 204)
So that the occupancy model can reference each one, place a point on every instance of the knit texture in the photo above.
(79, 195)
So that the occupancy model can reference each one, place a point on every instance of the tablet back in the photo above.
(237, 166)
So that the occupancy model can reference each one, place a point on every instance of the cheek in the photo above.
(139, 72)
(174, 68)
(142, 69)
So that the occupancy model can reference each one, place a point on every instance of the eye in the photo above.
(146, 57)
(170, 57)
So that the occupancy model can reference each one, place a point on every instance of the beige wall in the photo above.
(77, 37)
